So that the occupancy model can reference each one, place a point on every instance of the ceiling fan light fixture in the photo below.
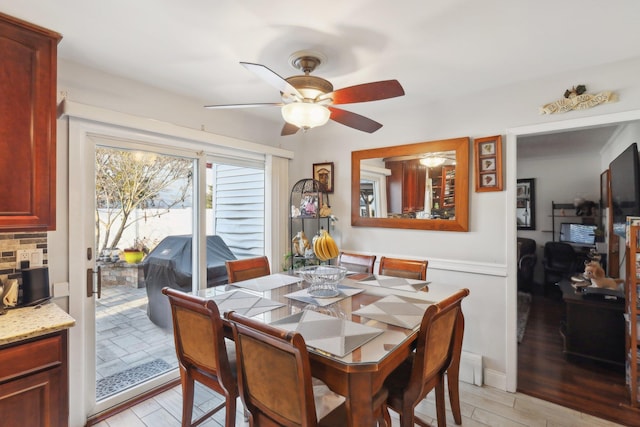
(305, 115)
(432, 161)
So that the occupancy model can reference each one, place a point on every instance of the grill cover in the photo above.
(169, 264)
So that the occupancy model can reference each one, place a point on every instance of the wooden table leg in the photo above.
(360, 400)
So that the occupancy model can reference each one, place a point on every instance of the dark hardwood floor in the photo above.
(545, 373)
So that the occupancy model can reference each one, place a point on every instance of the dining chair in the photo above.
(425, 369)
(248, 268)
(356, 262)
(202, 353)
(275, 381)
(406, 268)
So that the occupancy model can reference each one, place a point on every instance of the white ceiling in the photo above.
(435, 48)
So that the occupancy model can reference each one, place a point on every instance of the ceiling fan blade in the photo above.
(263, 104)
(366, 92)
(354, 120)
(273, 79)
(289, 129)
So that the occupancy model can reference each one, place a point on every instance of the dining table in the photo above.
(355, 339)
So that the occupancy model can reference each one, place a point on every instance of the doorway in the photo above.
(544, 348)
(141, 196)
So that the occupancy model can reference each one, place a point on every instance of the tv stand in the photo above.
(594, 326)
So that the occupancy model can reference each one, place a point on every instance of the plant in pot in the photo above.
(136, 252)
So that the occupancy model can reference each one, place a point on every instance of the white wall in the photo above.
(486, 247)
(476, 259)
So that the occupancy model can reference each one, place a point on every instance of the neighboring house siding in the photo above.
(239, 209)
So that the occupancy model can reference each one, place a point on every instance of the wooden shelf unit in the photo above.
(631, 315)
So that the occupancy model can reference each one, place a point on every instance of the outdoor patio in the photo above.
(130, 348)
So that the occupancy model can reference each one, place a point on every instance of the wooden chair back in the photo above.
(248, 268)
(406, 268)
(356, 262)
(202, 352)
(274, 374)
(435, 350)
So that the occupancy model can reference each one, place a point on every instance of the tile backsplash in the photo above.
(10, 243)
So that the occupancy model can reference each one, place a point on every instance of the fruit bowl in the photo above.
(323, 279)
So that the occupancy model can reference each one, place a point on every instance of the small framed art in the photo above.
(488, 161)
(323, 173)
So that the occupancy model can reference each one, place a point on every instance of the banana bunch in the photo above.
(324, 246)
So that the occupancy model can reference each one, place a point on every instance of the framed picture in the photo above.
(309, 205)
(323, 173)
(526, 204)
(488, 160)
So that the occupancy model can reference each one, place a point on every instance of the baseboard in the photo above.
(495, 379)
(471, 368)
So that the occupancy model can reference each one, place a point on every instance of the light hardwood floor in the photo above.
(481, 406)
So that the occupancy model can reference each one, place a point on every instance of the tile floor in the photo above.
(126, 338)
(481, 406)
(124, 309)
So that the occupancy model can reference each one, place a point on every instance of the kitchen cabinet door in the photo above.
(33, 382)
(27, 126)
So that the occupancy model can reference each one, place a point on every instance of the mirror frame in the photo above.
(460, 145)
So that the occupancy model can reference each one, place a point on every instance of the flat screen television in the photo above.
(624, 184)
(578, 234)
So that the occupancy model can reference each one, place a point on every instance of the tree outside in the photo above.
(128, 181)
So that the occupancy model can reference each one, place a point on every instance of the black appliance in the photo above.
(35, 285)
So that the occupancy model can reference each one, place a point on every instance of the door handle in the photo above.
(90, 273)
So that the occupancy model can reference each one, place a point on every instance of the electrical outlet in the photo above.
(22, 255)
(33, 256)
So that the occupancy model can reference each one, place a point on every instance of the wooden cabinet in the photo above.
(405, 186)
(27, 126)
(593, 326)
(34, 382)
(632, 317)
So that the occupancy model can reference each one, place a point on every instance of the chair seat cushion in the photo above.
(325, 399)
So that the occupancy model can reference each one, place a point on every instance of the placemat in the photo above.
(303, 295)
(396, 310)
(395, 282)
(245, 303)
(267, 283)
(328, 334)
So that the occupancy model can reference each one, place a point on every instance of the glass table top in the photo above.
(372, 319)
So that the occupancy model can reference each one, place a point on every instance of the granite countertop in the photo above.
(30, 322)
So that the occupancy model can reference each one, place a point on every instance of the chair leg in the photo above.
(407, 418)
(454, 395)
(440, 405)
(453, 371)
(187, 397)
(230, 412)
(386, 416)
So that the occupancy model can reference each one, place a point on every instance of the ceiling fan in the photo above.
(308, 101)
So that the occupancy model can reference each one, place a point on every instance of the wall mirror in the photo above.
(526, 204)
(421, 186)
